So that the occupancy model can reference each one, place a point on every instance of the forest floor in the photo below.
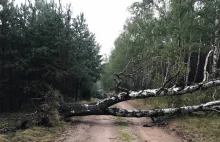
(114, 129)
(199, 126)
(34, 134)
(196, 127)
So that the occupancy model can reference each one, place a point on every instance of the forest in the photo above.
(163, 38)
(167, 44)
(43, 46)
(50, 61)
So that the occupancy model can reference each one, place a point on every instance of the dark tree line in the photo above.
(42, 46)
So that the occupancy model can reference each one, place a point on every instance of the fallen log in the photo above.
(102, 107)
(210, 106)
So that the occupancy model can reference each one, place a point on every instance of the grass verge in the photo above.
(194, 128)
(34, 134)
(201, 126)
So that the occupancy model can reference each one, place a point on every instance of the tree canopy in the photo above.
(43, 44)
(163, 38)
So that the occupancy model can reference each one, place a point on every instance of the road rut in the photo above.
(104, 129)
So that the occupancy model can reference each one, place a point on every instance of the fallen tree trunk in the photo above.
(210, 106)
(102, 107)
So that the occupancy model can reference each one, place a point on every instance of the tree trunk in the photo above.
(102, 107)
(205, 72)
(76, 95)
(188, 69)
(216, 46)
(197, 65)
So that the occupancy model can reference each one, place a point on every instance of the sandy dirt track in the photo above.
(103, 129)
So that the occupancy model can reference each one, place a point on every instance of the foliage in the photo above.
(163, 39)
(41, 45)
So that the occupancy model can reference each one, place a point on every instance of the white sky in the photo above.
(105, 18)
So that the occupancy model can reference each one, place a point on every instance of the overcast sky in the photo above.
(104, 17)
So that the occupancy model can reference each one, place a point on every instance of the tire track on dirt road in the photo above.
(104, 129)
(90, 129)
(145, 134)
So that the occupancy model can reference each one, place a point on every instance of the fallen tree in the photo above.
(102, 107)
(46, 114)
(210, 106)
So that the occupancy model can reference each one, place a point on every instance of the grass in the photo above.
(33, 134)
(123, 134)
(150, 103)
(119, 121)
(9, 119)
(200, 126)
(194, 128)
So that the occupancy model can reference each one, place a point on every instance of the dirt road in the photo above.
(114, 129)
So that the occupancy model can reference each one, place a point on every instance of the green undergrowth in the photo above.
(9, 119)
(119, 121)
(198, 126)
(34, 134)
(125, 136)
(122, 123)
(196, 98)
(204, 128)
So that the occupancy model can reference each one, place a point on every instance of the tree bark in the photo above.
(205, 72)
(197, 65)
(102, 107)
(188, 64)
(216, 46)
(210, 106)
(93, 110)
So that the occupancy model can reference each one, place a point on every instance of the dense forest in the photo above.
(164, 39)
(44, 46)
